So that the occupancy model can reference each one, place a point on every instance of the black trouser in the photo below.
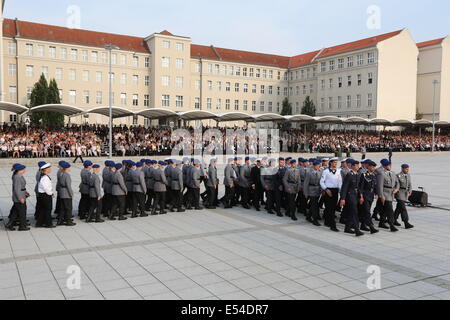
(351, 211)
(313, 211)
(387, 213)
(118, 203)
(83, 206)
(78, 157)
(278, 198)
(236, 195)
(257, 196)
(65, 212)
(330, 207)
(366, 217)
(401, 210)
(106, 204)
(58, 206)
(301, 203)
(270, 199)
(169, 195)
(196, 197)
(211, 196)
(19, 213)
(245, 195)
(229, 195)
(291, 206)
(95, 207)
(138, 203)
(129, 201)
(38, 207)
(45, 212)
(160, 199)
(176, 199)
(148, 202)
(378, 207)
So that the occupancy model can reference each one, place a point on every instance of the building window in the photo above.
(72, 97)
(179, 63)
(263, 89)
(12, 48)
(209, 103)
(360, 59)
(72, 74)
(85, 75)
(210, 68)
(270, 106)
(135, 79)
(123, 99)
(41, 50)
(238, 71)
(113, 77)
(258, 73)
(179, 46)
(197, 67)
(341, 63)
(245, 87)
(165, 81)
(147, 81)
(12, 69)
(323, 66)
(370, 78)
(219, 85)
(270, 89)
(135, 62)
(340, 82)
(245, 105)
(63, 53)
(166, 44)
(179, 82)
(270, 74)
(197, 84)
(311, 88)
(86, 97)
(254, 88)
(264, 74)
(135, 100)
(253, 105)
(236, 87)
(219, 104)
(74, 54)
(13, 93)
(210, 85)
(146, 100)
(123, 59)
(228, 87)
(304, 89)
(244, 72)
(147, 62)
(99, 97)
(330, 103)
(12, 117)
(105, 58)
(227, 104)
(330, 83)
(349, 102)
(59, 74)
(322, 84)
(123, 78)
(165, 101)
(278, 91)
(29, 48)
(370, 100)
(371, 58)
(99, 76)
(349, 81)
(359, 79)
(179, 101)
(165, 62)
(236, 105)
(113, 58)
(44, 71)
(331, 65)
(322, 103)
(358, 101)
(252, 73)
(349, 62)
(262, 106)
(52, 52)
(339, 102)
(94, 56)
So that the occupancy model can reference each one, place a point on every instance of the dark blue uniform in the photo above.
(280, 196)
(367, 188)
(349, 193)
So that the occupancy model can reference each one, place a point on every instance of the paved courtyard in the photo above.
(231, 254)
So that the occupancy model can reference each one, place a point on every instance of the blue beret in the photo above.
(96, 166)
(385, 162)
(293, 161)
(118, 166)
(230, 159)
(371, 163)
(247, 158)
(316, 162)
(139, 164)
(132, 163)
(196, 161)
(281, 159)
(312, 160)
(41, 163)
(60, 163)
(124, 162)
(87, 163)
(236, 159)
(349, 160)
(65, 165)
(154, 162)
(142, 160)
(162, 163)
(405, 166)
(18, 167)
(288, 158)
(107, 163)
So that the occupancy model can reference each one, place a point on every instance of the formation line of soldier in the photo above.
(151, 187)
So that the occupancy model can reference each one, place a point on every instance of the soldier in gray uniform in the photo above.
(244, 183)
(57, 211)
(96, 195)
(268, 175)
(185, 170)
(128, 170)
(379, 204)
(228, 181)
(291, 184)
(148, 172)
(312, 191)
(139, 190)
(119, 192)
(65, 196)
(301, 200)
(211, 184)
(107, 174)
(387, 184)
(194, 185)
(404, 179)
(19, 198)
(176, 186)
(85, 174)
(160, 189)
(168, 173)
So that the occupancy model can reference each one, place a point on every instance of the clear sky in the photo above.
(271, 26)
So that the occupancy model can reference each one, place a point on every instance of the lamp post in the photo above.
(435, 82)
(110, 48)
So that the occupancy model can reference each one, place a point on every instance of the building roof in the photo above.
(37, 31)
(430, 43)
(303, 59)
(357, 45)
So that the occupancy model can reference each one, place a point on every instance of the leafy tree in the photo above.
(308, 107)
(286, 110)
(419, 116)
(46, 93)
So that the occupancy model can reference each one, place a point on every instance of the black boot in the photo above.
(293, 217)
(349, 230)
(316, 223)
(393, 228)
(408, 225)
(397, 224)
(358, 233)
(383, 225)
(122, 218)
(364, 228)
(373, 230)
(10, 226)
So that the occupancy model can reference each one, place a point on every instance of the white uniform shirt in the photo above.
(45, 185)
(330, 180)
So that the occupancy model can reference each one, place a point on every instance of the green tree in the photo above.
(419, 115)
(286, 110)
(308, 107)
(46, 93)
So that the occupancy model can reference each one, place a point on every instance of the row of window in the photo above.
(263, 89)
(248, 72)
(349, 79)
(72, 75)
(179, 46)
(348, 100)
(348, 62)
(86, 98)
(73, 54)
(179, 62)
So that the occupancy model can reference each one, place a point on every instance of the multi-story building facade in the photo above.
(374, 77)
(434, 65)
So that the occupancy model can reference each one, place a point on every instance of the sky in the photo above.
(276, 26)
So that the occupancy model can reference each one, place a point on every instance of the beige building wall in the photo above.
(303, 83)
(444, 105)
(397, 77)
(2, 66)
